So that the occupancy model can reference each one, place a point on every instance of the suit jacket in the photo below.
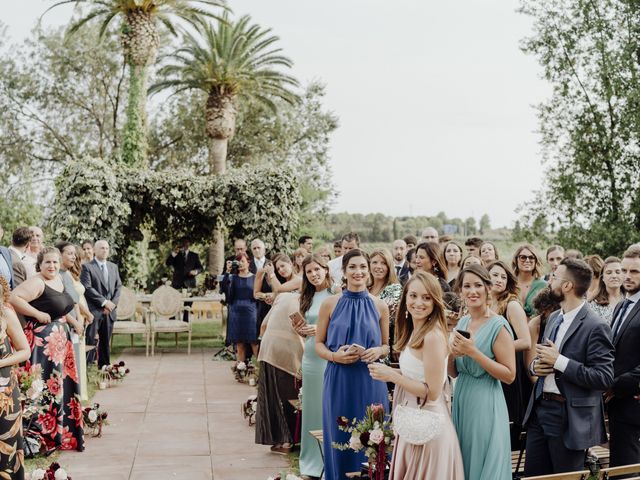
(6, 254)
(626, 369)
(181, 268)
(96, 291)
(587, 345)
(19, 270)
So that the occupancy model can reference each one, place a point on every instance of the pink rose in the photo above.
(376, 436)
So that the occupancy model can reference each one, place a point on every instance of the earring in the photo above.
(406, 314)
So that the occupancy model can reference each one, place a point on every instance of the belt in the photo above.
(553, 396)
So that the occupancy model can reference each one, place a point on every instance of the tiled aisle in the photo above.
(174, 417)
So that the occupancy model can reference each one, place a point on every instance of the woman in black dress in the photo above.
(14, 349)
(45, 303)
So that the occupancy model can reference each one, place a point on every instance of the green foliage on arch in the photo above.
(96, 199)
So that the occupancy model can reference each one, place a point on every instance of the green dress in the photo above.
(537, 285)
(480, 412)
(312, 377)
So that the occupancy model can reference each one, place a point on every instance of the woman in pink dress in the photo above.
(422, 339)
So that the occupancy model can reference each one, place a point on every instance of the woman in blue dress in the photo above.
(238, 290)
(481, 362)
(315, 290)
(354, 317)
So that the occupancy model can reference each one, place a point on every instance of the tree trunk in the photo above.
(221, 124)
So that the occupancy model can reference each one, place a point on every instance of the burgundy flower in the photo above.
(364, 438)
(342, 421)
(105, 415)
(121, 364)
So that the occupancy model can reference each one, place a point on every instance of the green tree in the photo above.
(470, 226)
(139, 34)
(233, 62)
(590, 126)
(485, 224)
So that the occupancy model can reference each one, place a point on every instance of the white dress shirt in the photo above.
(259, 262)
(550, 385)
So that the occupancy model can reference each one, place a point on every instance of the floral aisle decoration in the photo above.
(245, 372)
(53, 472)
(285, 476)
(249, 409)
(94, 419)
(116, 372)
(35, 394)
(373, 434)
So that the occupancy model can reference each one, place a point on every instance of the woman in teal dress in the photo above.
(315, 289)
(527, 268)
(481, 362)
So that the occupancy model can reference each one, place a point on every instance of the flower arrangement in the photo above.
(249, 408)
(54, 472)
(285, 476)
(94, 419)
(244, 372)
(373, 434)
(35, 396)
(116, 372)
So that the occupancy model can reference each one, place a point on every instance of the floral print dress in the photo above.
(11, 445)
(60, 424)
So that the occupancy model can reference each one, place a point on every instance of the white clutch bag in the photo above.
(417, 426)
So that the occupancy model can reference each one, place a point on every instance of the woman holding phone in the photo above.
(484, 356)
(353, 318)
(315, 290)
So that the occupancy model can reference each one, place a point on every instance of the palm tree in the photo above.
(140, 20)
(234, 62)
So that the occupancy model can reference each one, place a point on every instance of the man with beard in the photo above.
(574, 365)
(622, 399)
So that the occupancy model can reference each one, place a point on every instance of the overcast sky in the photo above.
(435, 99)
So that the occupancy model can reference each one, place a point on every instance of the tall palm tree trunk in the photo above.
(221, 124)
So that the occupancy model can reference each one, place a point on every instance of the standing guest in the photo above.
(186, 265)
(46, 305)
(453, 258)
(239, 247)
(443, 240)
(430, 234)
(67, 261)
(298, 257)
(423, 343)
(597, 264)
(286, 279)
(315, 289)
(102, 284)
(610, 290)
(324, 252)
(280, 360)
(528, 270)
(480, 363)
(261, 287)
(87, 251)
(239, 294)
(410, 261)
(85, 318)
(350, 241)
(337, 248)
(35, 245)
(574, 366)
(411, 241)
(504, 301)
(622, 398)
(430, 260)
(6, 263)
(473, 245)
(399, 249)
(489, 253)
(354, 317)
(306, 242)
(19, 243)
(573, 253)
(14, 349)
(384, 284)
(555, 254)
(471, 260)
(544, 304)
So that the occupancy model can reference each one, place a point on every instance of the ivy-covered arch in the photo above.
(95, 199)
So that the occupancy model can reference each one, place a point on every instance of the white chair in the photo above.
(166, 302)
(127, 320)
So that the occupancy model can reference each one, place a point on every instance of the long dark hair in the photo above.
(404, 322)
(602, 296)
(435, 255)
(511, 290)
(308, 291)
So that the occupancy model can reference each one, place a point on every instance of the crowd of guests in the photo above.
(525, 352)
(55, 299)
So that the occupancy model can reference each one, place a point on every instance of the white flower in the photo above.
(105, 368)
(93, 416)
(241, 366)
(376, 436)
(122, 371)
(38, 474)
(254, 406)
(291, 476)
(354, 443)
(61, 474)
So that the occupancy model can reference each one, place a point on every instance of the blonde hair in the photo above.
(537, 270)
(388, 260)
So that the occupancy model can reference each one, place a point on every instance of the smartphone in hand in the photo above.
(464, 333)
(297, 320)
(356, 349)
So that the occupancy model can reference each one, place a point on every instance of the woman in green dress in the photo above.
(480, 363)
(527, 268)
(315, 289)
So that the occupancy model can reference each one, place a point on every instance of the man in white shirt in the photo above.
(258, 250)
(574, 365)
(350, 241)
(399, 250)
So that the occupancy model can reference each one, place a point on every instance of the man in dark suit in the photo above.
(186, 265)
(6, 263)
(399, 251)
(565, 415)
(19, 243)
(623, 403)
(102, 283)
(258, 262)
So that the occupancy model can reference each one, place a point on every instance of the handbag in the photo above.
(417, 426)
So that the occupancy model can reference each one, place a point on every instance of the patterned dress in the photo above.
(60, 425)
(11, 445)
